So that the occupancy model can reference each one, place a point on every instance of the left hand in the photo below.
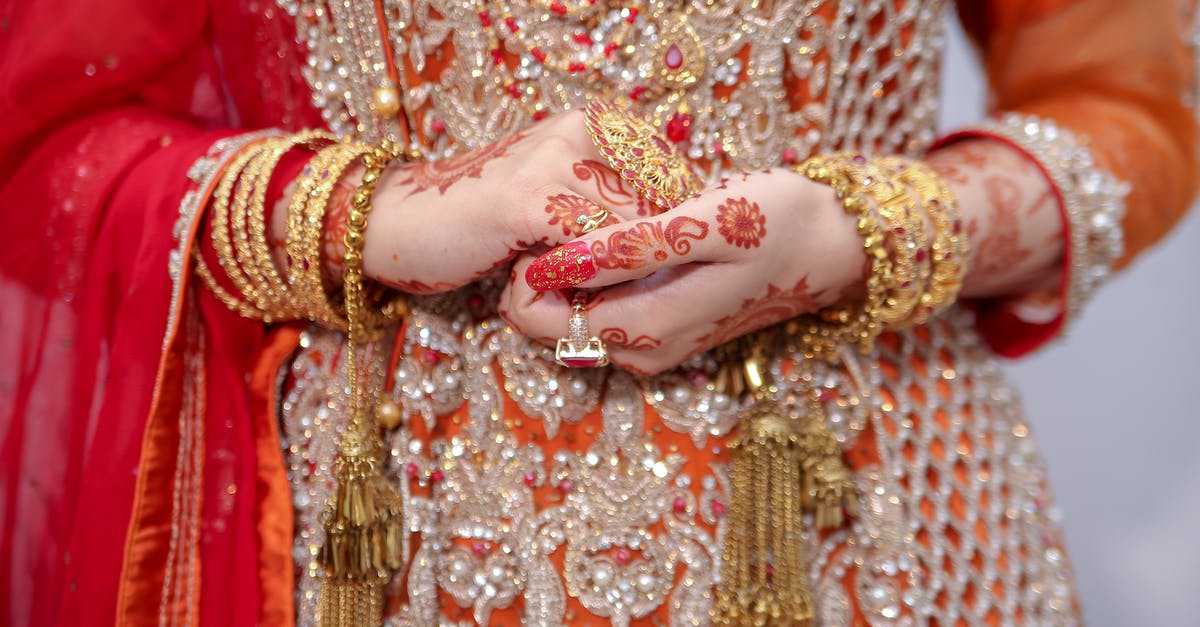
(755, 250)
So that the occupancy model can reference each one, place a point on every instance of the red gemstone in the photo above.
(679, 127)
(497, 56)
(565, 485)
(859, 159)
(580, 362)
(633, 13)
(438, 127)
(558, 7)
(719, 148)
(673, 59)
(921, 254)
(576, 66)
(411, 470)
(899, 230)
(680, 505)
(511, 23)
(610, 47)
(636, 92)
(479, 549)
(718, 508)
(485, 19)
(583, 39)
(789, 156)
(540, 114)
(957, 226)
(513, 90)
(623, 556)
(530, 479)
(437, 475)
(826, 395)
(538, 54)
(770, 570)
(431, 358)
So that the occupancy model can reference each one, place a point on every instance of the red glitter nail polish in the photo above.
(565, 266)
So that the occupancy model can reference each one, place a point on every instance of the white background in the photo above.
(1114, 410)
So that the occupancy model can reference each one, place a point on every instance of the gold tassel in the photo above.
(763, 579)
(828, 492)
(363, 535)
(364, 519)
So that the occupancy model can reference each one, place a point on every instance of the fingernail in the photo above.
(565, 266)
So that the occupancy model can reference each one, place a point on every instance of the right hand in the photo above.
(439, 225)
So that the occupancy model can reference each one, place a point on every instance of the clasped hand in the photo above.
(753, 250)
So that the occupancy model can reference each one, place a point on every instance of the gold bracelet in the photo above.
(951, 246)
(221, 240)
(272, 292)
(822, 332)
(904, 233)
(306, 217)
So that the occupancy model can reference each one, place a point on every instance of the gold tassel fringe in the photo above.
(363, 535)
(828, 492)
(763, 577)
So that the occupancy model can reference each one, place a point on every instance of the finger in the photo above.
(560, 216)
(594, 179)
(693, 232)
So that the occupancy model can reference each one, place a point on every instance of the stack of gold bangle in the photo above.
(895, 201)
(239, 233)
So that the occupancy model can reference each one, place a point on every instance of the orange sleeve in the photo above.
(1100, 95)
(1120, 74)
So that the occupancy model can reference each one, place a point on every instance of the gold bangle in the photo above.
(222, 242)
(272, 292)
(950, 247)
(306, 217)
(822, 332)
(904, 234)
(221, 226)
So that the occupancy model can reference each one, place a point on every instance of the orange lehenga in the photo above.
(142, 469)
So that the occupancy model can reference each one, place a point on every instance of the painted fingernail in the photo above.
(565, 266)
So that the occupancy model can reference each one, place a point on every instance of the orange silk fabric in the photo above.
(1121, 73)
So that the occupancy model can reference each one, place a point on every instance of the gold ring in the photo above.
(580, 349)
(587, 224)
(637, 151)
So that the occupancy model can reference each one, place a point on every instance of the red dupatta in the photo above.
(137, 444)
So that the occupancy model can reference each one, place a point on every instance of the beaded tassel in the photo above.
(828, 489)
(362, 543)
(763, 579)
(364, 521)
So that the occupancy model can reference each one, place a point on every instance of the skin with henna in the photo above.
(754, 250)
(436, 226)
(777, 245)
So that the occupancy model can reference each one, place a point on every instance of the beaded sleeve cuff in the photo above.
(1092, 200)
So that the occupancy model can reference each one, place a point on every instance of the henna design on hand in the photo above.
(610, 187)
(741, 222)
(633, 248)
(333, 230)
(617, 336)
(756, 313)
(1001, 248)
(444, 173)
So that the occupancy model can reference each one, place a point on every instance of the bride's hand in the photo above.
(755, 250)
(439, 225)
